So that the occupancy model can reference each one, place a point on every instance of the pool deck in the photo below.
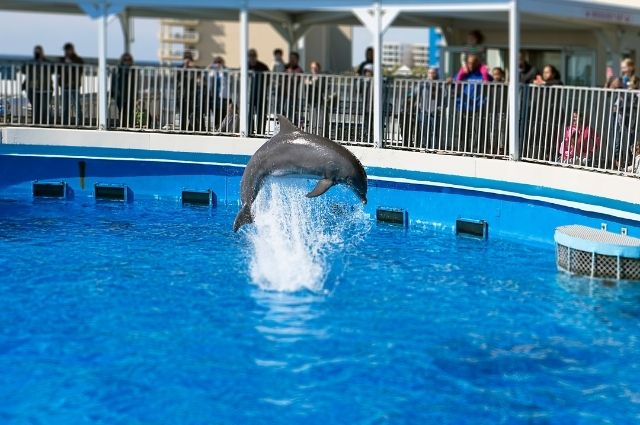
(611, 194)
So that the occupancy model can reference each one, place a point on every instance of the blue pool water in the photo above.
(154, 313)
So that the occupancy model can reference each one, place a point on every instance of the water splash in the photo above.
(294, 239)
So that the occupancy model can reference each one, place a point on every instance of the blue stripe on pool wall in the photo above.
(141, 163)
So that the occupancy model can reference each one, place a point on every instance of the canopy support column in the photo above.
(244, 72)
(377, 21)
(102, 68)
(514, 76)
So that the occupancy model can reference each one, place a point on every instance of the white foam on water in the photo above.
(293, 236)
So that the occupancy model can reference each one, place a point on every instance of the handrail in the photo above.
(581, 127)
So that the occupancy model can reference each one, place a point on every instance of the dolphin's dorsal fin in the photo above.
(286, 126)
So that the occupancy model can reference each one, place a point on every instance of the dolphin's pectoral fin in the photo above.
(322, 186)
(243, 217)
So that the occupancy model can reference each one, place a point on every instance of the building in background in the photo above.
(411, 55)
(328, 44)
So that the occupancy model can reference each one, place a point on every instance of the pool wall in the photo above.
(517, 199)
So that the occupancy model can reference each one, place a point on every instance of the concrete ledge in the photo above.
(621, 188)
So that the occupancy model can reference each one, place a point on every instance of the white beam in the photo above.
(514, 76)
(102, 69)
(127, 25)
(377, 21)
(243, 108)
(377, 76)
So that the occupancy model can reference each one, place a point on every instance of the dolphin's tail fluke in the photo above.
(243, 217)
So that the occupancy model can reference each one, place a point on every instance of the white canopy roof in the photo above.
(412, 12)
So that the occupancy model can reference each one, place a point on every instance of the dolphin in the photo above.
(292, 151)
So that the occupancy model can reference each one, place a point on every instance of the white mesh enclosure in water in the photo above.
(597, 253)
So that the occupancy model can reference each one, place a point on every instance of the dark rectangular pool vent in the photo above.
(392, 215)
(59, 190)
(475, 228)
(113, 192)
(199, 197)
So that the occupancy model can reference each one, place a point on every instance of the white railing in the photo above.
(174, 100)
(50, 94)
(589, 128)
(337, 107)
(436, 116)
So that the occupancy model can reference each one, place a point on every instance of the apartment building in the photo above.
(328, 44)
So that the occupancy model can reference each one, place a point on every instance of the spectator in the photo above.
(498, 75)
(123, 91)
(366, 91)
(548, 102)
(218, 80)
(433, 74)
(635, 167)
(627, 71)
(293, 66)
(475, 41)
(231, 121)
(550, 77)
(316, 98)
(70, 82)
(190, 88)
(278, 63)
(428, 104)
(256, 106)
(625, 112)
(472, 99)
(613, 83)
(528, 72)
(579, 143)
(367, 62)
(38, 86)
(473, 70)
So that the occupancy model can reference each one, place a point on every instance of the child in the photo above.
(635, 167)
(231, 123)
(579, 142)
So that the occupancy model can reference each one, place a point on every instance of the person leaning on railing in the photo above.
(258, 82)
(471, 99)
(69, 82)
(190, 87)
(625, 112)
(316, 86)
(123, 91)
(38, 86)
(547, 104)
(219, 101)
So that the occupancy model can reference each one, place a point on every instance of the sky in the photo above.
(52, 31)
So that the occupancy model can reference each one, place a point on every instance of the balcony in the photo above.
(184, 37)
(172, 55)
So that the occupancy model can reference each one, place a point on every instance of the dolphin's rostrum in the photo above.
(293, 151)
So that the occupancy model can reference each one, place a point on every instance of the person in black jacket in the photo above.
(367, 61)
(528, 72)
(69, 82)
(191, 85)
(258, 82)
(38, 86)
(123, 91)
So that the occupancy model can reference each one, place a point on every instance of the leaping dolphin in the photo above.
(292, 151)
